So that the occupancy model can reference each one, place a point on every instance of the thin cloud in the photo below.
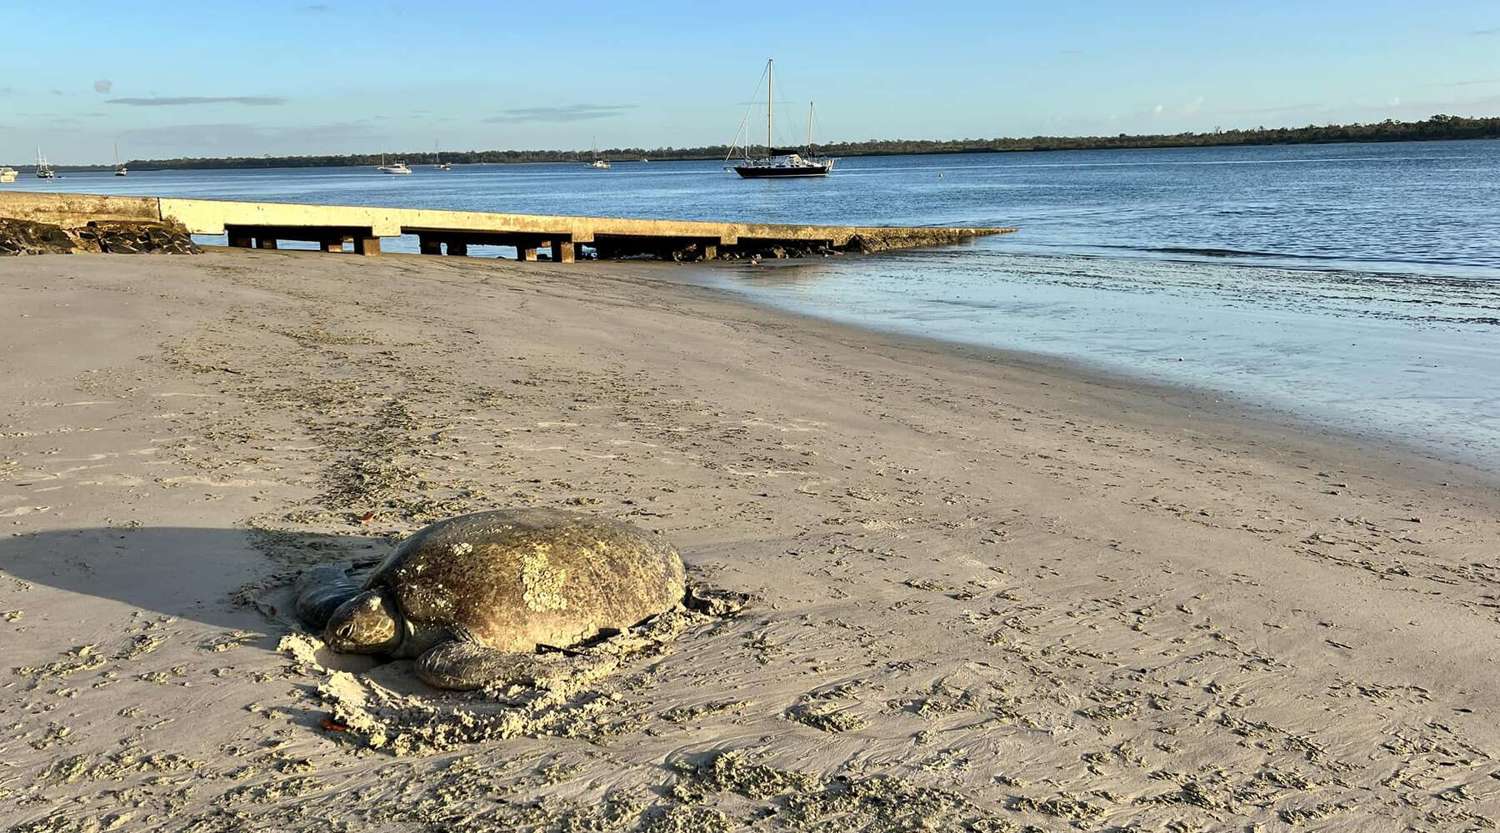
(191, 100)
(1471, 83)
(317, 8)
(1482, 33)
(571, 112)
(103, 85)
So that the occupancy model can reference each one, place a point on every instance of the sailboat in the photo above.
(598, 163)
(784, 164)
(120, 170)
(43, 169)
(398, 168)
(438, 159)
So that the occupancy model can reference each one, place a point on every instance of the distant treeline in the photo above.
(1435, 128)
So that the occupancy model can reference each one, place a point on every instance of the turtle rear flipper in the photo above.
(463, 665)
(320, 591)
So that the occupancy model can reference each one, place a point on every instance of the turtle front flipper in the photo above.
(320, 591)
(463, 664)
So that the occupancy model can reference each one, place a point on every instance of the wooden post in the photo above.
(710, 250)
(458, 248)
(265, 242)
(332, 244)
(562, 250)
(429, 245)
(368, 246)
(526, 251)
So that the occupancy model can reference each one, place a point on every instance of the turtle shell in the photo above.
(522, 577)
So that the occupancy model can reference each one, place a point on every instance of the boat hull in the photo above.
(768, 172)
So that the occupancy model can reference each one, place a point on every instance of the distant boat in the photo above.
(396, 168)
(437, 159)
(43, 169)
(782, 164)
(598, 163)
(7, 174)
(120, 170)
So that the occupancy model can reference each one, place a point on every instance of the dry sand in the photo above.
(986, 593)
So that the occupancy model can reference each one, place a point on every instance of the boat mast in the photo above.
(770, 103)
(809, 127)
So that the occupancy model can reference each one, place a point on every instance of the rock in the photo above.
(27, 237)
(23, 237)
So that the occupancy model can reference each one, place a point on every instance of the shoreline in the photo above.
(986, 589)
(1226, 409)
(631, 155)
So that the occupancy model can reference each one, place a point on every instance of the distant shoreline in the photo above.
(1437, 128)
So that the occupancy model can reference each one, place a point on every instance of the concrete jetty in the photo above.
(265, 224)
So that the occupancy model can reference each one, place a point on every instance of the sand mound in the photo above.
(558, 693)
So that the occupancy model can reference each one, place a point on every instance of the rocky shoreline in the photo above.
(27, 237)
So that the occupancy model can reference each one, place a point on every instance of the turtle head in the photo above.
(369, 623)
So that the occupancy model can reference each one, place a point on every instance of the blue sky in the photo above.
(294, 77)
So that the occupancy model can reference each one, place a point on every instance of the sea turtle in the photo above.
(471, 596)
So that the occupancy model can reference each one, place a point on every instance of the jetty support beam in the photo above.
(327, 238)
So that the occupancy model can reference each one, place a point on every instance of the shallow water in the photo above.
(1355, 284)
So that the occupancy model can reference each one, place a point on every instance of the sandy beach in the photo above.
(984, 592)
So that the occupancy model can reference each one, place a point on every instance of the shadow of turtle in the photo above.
(187, 572)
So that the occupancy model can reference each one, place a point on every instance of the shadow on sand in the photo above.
(190, 573)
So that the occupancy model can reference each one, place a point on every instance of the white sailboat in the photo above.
(598, 163)
(43, 168)
(120, 170)
(438, 159)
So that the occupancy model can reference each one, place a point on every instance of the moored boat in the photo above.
(397, 168)
(7, 174)
(785, 164)
(599, 163)
(43, 167)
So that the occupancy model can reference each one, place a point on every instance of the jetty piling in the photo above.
(264, 225)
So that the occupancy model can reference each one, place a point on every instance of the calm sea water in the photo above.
(1358, 285)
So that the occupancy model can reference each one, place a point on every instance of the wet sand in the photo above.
(985, 593)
